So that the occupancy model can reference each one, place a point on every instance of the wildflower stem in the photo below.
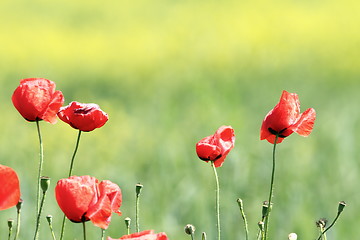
(49, 219)
(330, 226)
(138, 191)
(10, 225)
(41, 160)
(84, 230)
(217, 199)
(102, 234)
(74, 154)
(18, 218)
(36, 236)
(266, 226)
(70, 173)
(241, 207)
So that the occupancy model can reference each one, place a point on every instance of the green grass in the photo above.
(169, 73)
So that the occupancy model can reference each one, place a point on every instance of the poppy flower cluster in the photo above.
(216, 147)
(285, 118)
(10, 188)
(144, 235)
(36, 99)
(84, 198)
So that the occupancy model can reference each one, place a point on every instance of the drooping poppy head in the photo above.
(144, 235)
(10, 188)
(285, 118)
(216, 147)
(83, 116)
(84, 198)
(36, 99)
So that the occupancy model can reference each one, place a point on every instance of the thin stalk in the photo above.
(18, 218)
(217, 200)
(138, 189)
(74, 154)
(241, 207)
(36, 236)
(10, 225)
(271, 190)
(84, 230)
(41, 160)
(102, 234)
(332, 224)
(49, 219)
(70, 173)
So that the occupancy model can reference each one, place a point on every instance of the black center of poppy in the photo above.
(279, 134)
(84, 110)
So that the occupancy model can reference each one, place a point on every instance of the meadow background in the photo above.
(169, 73)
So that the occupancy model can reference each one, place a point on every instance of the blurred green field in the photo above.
(169, 73)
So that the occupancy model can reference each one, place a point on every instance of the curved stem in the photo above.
(271, 189)
(84, 230)
(70, 173)
(241, 207)
(74, 154)
(36, 236)
(18, 218)
(41, 160)
(217, 199)
(332, 224)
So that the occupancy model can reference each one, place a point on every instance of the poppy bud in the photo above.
(203, 236)
(49, 219)
(45, 183)
(341, 207)
(189, 229)
(127, 222)
(261, 225)
(138, 189)
(10, 223)
(265, 208)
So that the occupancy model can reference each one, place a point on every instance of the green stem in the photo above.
(41, 160)
(70, 173)
(138, 189)
(217, 199)
(332, 224)
(10, 232)
(84, 230)
(36, 236)
(102, 234)
(51, 227)
(74, 154)
(271, 190)
(241, 207)
(18, 218)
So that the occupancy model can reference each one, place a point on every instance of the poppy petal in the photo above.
(305, 124)
(10, 188)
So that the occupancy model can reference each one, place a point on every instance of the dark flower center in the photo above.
(272, 131)
(84, 110)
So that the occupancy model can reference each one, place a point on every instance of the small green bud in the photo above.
(265, 208)
(49, 219)
(240, 202)
(341, 207)
(261, 225)
(10, 223)
(189, 229)
(138, 189)
(203, 236)
(45, 183)
(321, 223)
(19, 204)
(127, 222)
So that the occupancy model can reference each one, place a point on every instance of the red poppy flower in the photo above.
(285, 118)
(216, 147)
(36, 99)
(10, 188)
(144, 235)
(84, 198)
(83, 116)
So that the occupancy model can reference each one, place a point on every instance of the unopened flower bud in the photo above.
(19, 204)
(127, 222)
(45, 183)
(49, 219)
(261, 225)
(265, 208)
(341, 207)
(321, 223)
(292, 236)
(138, 189)
(189, 229)
(203, 236)
(10, 223)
